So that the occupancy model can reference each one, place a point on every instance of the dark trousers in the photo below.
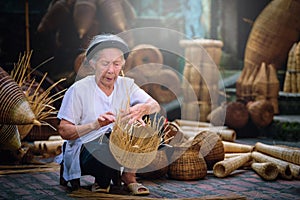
(97, 160)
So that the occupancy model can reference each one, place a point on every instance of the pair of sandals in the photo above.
(134, 189)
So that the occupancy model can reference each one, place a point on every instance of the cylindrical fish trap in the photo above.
(283, 167)
(267, 170)
(224, 168)
(14, 108)
(287, 154)
(134, 146)
(231, 147)
(189, 164)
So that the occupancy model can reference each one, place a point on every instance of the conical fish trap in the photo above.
(14, 108)
(134, 146)
(9, 137)
(267, 170)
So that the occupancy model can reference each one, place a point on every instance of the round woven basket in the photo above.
(190, 164)
(134, 146)
(261, 112)
(236, 115)
(211, 147)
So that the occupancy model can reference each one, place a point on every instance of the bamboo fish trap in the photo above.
(135, 146)
(9, 137)
(266, 170)
(14, 108)
(224, 168)
(231, 147)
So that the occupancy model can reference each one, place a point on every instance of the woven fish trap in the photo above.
(283, 166)
(211, 147)
(14, 108)
(158, 168)
(135, 146)
(287, 154)
(189, 164)
(273, 33)
(9, 137)
(237, 115)
(267, 170)
(224, 168)
(232, 147)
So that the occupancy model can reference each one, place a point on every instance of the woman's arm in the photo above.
(70, 131)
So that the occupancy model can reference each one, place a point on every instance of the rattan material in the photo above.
(267, 170)
(211, 147)
(135, 146)
(224, 168)
(231, 147)
(9, 137)
(283, 167)
(287, 154)
(189, 164)
(14, 108)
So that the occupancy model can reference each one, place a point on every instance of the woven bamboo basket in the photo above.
(158, 168)
(268, 171)
(248, 94)
(14, 108)
(173, 134)
(287, 154)
(273, 33)
(143, 54)
(239, 81)
(243, 93)
(287, 87)
(261, 112)
(224, 168)
(283, 167)
(9, 137)
(231, 147)
(273, 87)
(135, 146)
(211, 147)
(189, 164)
(237, 115)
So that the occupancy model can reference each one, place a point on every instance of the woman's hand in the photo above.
(105, 119)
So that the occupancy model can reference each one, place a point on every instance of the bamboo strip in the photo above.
(287, 154)
(267, 170)
(224, 168)
(231, 147)
(283, 167)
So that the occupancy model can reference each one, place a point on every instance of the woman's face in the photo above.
(108, 65)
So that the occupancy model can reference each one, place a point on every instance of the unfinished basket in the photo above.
(189, 164)
(134, 146)
(14, 108)
(267, 170)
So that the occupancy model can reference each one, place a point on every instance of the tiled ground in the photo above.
(245, 183)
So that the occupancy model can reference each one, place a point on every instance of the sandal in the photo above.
(97, 188)
(134, 189)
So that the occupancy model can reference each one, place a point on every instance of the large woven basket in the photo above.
(189, 165)
(9, 137)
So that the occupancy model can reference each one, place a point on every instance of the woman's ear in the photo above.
(92, 64)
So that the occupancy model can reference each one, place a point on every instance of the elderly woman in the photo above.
(89, 110)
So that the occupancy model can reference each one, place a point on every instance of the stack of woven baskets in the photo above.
(201, 72)
(292, 75)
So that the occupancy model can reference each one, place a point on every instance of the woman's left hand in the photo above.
(136, 113)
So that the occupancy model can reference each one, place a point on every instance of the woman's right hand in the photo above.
(105, 119)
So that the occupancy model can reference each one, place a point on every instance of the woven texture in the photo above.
(267, 170)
